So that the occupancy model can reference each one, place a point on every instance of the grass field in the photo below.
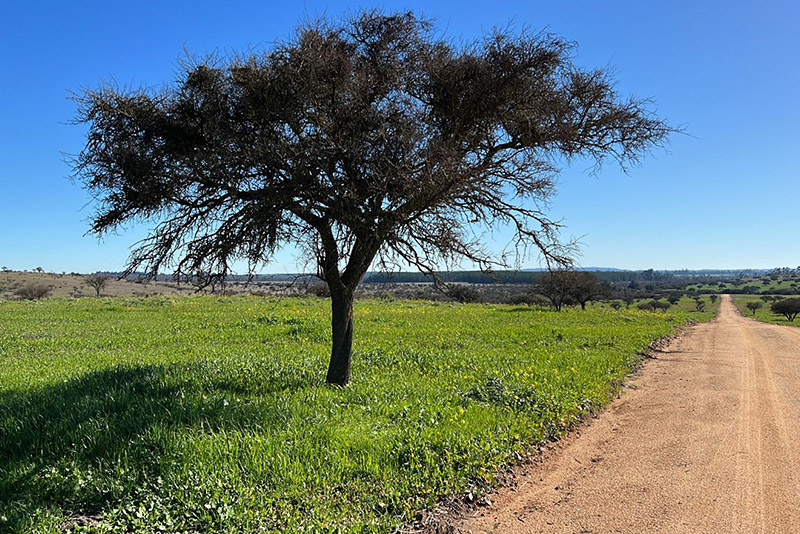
(762, 314)
(209, 414)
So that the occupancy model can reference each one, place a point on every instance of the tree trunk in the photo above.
(342, 329)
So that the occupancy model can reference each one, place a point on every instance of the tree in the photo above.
(584, 287)
(789, 308)
(663, 306)
(561, 286)
(713, 298)
(366, 142)
(654, 305)
(699, 304)
(555, 287)
(753, 306)
(96, 282)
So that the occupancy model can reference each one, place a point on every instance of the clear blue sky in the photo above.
(724, 197)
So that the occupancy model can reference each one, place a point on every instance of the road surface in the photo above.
(707, 441)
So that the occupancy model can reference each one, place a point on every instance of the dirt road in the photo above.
(707, 442)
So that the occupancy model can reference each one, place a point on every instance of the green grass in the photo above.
(764, 313)
(685, 306)
(210, 415)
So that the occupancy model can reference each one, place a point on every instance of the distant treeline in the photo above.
(505, 277)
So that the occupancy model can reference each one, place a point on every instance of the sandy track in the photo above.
(707, 442)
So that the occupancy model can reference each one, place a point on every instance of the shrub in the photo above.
(653, 305)
(33, 291)
(318, 290)
(463, 293)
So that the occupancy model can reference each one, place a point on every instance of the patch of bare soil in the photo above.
(705, 440)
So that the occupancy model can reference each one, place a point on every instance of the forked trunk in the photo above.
(342, 329)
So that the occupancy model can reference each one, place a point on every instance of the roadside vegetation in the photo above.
(209, 414)
(776, 309)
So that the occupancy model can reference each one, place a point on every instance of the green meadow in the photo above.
(764, 313)
(207, 414)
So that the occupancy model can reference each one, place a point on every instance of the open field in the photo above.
(74, 285)
(209, 414)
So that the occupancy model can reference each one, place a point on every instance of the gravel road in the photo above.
(706, 440)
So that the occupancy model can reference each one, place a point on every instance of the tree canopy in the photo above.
(789, 308)
(370, 141)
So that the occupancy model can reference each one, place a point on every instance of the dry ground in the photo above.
(73, 285)
(706, 441)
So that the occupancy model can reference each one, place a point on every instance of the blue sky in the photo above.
(725, 196)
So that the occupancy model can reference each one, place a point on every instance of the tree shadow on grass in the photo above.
(89, 442)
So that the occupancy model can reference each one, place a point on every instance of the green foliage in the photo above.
(753, 306)
(699, 304)
(789, 308)
(745, 302)
(209, 414)
(463, 293)
(654, 305)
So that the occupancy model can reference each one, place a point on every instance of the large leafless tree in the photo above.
(369, 141)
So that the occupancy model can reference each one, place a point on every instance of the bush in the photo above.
(33, 291)
(653, 305)
(318, 290)
(463, 293)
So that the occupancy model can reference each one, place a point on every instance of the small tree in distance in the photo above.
(565, 287)
(96, 282)
(654, 305)
(699, 304)
(367, 142)
(753, 306)
(555, 287)
(585, 287)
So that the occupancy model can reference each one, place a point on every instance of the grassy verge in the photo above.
(762, 314)
(209, 415)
